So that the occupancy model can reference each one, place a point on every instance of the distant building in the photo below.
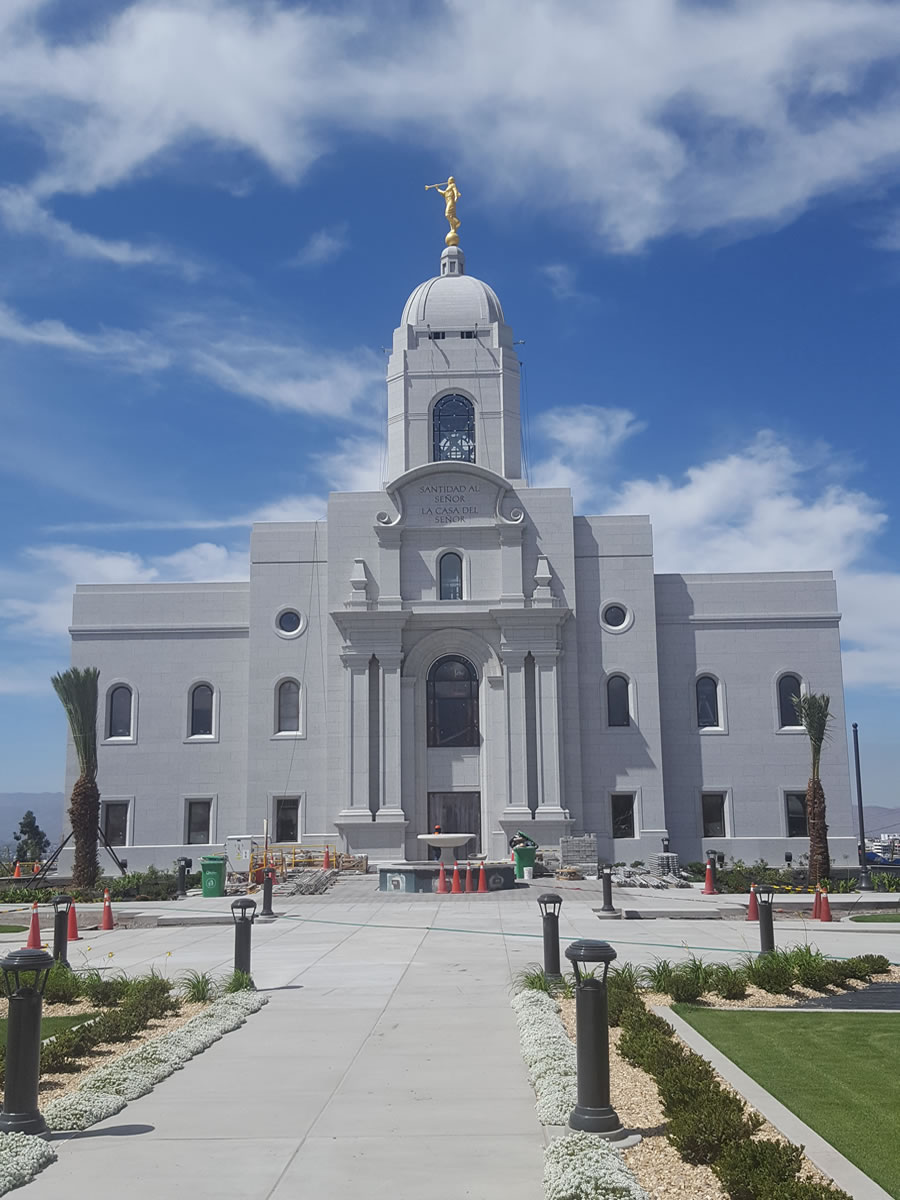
(460, 649)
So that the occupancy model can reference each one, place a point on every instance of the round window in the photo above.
(616, 617)
(289, 623)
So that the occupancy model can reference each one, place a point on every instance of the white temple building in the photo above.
(459, 648)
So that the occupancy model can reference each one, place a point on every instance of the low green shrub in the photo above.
(701, 1129)
(649, 1050)
(770, 972)
(748, 1170)
(857, 968)
(685, 986)
(836, 973)
(876, 964)
(804, 1189)
(63, 985)
(104, 991)
(728, 982)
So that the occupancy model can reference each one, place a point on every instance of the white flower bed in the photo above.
(22, 1155)
(578, 1166)
(582, 1166)
(104, 1092)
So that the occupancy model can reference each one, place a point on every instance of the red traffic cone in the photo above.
(34, 932)
(455, 889)
(326, 860)
(17, 873)
(817, 905)
(470, 878)
(35, 868)
(442, 882)
(709, 887)
(106, 921)
(73, 935)
(825, 908)
(753, 906)
(482, 879)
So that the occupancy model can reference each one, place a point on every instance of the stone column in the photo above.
(356, 716)
(546, 698)
(390, 798)
(516, 744)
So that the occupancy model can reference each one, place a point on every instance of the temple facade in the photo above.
(459, 648)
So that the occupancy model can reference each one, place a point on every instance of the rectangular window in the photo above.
(623, 815)
(115, 823)
(287, 819)
(713, 814)
(796, 814)
(437, 337)
(198, 814)
(467, 333)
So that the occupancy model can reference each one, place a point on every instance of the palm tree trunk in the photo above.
(84, 813)
(819, 856)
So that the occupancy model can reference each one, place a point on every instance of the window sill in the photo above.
(200, 739)
(791, 731)
(287, 736)
(712, 731)
(119, 741)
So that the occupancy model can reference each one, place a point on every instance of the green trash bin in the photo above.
(524, 850)
(212, 874)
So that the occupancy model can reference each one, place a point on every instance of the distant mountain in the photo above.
(880, 820)
(46, 806)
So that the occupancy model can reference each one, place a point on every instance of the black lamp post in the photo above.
(665, 845)
(865, 883)
(268, 882)
(593, 1112)
(764, 896)
(550, 904)
(25, 972)
(243, 911)
(61, 905)
(184, 865)
(606, 877)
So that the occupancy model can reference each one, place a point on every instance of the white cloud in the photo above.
(120, 347)
(650, 118)
(23, 214)
(323, 247)
(581, 438)
(562, 282)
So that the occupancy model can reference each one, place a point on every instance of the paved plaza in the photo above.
(387, 1058)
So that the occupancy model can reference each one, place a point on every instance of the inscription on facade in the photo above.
(449, 504)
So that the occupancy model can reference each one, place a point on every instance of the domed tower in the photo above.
(453, 377)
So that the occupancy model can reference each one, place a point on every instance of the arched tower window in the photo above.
(454, 430)
(452, 702)
(618, 712)
(450, 576)
(788, 688)
(288, 707)
(707, 702)
(120, 712)
(202, 711)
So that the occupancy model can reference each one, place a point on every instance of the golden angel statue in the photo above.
(451, 194)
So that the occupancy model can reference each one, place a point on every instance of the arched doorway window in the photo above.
(618, 707)
(707, 702)
(452, 703)
(450, 576)
(288, 707)
(453, 423)
(202, 711)
(788, 688)
(120, 712)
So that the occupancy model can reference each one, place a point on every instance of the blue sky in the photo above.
(212, 212)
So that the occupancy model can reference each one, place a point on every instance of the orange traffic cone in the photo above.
(753, 906)
(442, 881)
(455, 889)
(34, 932)
(825, 908)
(17, 873)
(482, 879)
(817, 904)
(326, 860)
(709, 887)
(35, 868)
(73, 935)
(470, 878)
(106, 922)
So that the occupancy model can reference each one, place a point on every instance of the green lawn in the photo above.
(882, 917)
(838, 1072)
(50, 1026)
(13, 928)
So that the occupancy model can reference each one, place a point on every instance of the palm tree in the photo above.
(812, 712)
(77, 689)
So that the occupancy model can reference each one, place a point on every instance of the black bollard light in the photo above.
(268, 883)
(593, 1112)
(25, 972)
(184, 865)
(61, 905)
(243, 910)
(764, 896)
(606, 877)
(550, 904)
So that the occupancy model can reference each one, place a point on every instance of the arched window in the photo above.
(120, 712)
(288, 718)
(454, 430)
(452, 703)
(707, 702)
(617, 707)
(202, 711)
(788, 688)
(450, 576)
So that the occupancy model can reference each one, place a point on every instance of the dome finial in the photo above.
(451, 194)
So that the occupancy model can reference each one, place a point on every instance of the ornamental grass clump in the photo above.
(581, 1166)
(728, 982)
(22, 1156)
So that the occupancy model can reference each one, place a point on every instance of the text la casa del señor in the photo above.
(449, 504)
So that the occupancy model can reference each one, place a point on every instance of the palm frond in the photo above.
(77, 690)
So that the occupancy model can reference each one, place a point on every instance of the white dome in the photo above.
(452, 300)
